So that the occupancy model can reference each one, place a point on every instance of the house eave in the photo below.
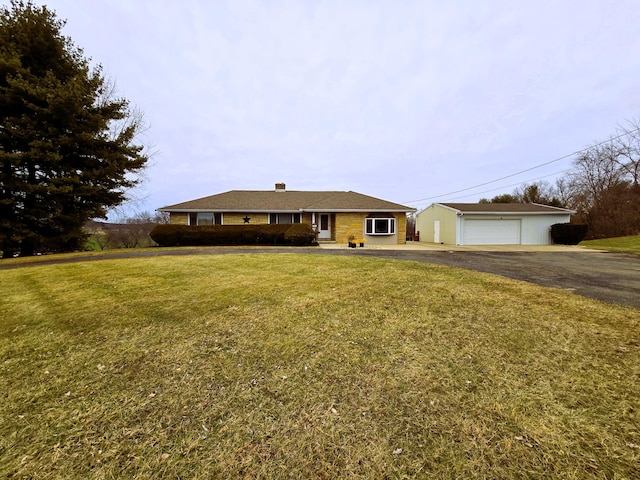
(299, 210)
(356, 210)
(226, 210)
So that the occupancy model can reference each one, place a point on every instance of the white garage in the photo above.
(489, 223)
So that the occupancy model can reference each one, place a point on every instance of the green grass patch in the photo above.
(309, 366)
(630, 244)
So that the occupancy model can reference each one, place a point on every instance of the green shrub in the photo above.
(211, 235)
(568, 233)
(165, 235)
(300, 234)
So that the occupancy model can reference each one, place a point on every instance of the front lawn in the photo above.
(309, 366)
(630, 244)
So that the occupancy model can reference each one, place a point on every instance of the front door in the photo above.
(324, 227)
(436, 231)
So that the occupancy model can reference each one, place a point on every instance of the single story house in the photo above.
(489, 223)
(335, 215)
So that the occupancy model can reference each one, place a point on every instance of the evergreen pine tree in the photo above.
(68, 148)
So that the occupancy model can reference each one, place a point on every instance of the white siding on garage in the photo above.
(491, 224)
(491, 232)
(536, 230)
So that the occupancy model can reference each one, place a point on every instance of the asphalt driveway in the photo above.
(610, 277)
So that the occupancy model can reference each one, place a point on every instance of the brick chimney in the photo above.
(281, 187)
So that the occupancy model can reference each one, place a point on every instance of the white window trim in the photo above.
(285, 213)
(202, 214)
(369, 226)
(192, 218)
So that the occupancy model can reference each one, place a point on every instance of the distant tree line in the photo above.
(126, 232)
(603, 186)
(542, 193)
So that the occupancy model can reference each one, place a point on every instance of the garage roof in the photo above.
(517, 208)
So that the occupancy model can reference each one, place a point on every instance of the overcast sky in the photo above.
(407, 101)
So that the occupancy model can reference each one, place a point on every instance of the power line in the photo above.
(507, 186)
(528, 169)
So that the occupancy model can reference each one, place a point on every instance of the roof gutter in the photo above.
(566, 212)
(302, 210)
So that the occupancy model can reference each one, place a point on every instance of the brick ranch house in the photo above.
(335, 215)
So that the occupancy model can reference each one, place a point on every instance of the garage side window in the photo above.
(380, 226)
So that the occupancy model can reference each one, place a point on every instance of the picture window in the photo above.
(380, 226)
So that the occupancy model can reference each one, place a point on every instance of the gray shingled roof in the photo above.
(287, 201)
(506, 208)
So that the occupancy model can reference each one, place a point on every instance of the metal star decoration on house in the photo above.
(246, 219)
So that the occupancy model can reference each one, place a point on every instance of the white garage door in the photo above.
(491, 232)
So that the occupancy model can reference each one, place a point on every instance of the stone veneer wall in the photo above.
(179, 218)
(343, 224)
(353, 224)
(238, 218)
(349, 224)
(401, 227)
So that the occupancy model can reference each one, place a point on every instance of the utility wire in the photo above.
(507, 186)
(528, 169)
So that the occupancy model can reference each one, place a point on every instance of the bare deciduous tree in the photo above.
(603, 186)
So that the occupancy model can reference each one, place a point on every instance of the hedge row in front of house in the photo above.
(568, 233)
(298, 234)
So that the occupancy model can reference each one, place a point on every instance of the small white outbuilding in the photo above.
(489, 223)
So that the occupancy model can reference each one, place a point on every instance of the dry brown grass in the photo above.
(304, 366)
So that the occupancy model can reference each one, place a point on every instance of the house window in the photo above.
(284, 218)
(380, 226)
(205, 218)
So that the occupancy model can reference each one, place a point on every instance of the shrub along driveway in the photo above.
(610, 277)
